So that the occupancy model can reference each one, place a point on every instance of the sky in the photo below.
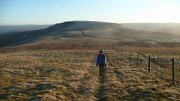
(21, 12)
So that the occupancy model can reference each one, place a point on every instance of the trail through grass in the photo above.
(64, 75)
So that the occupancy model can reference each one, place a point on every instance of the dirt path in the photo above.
(101, 90)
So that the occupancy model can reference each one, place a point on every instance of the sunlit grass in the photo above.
(72, 75)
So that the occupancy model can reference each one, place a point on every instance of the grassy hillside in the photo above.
(87, 29)
(72, 75)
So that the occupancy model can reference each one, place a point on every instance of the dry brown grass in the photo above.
(65, 75)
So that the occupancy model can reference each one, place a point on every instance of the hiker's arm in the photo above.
(105, 62)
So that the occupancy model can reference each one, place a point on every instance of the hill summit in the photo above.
(80, 30)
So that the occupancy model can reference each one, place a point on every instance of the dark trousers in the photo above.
(101, 69)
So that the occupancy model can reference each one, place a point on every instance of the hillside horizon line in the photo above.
(90, 21)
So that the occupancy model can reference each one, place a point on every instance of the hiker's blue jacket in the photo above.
(101, 59)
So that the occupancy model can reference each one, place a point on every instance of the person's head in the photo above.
(101, 51)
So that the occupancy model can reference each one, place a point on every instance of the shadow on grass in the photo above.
(144, 95)
(18, 93)
(102, 89)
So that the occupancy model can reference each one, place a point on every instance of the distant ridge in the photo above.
(158, 27)
(19, 28)
(86, 29)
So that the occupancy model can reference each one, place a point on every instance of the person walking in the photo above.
(101, 61)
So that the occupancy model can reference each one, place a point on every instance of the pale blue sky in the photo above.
(19, 12)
